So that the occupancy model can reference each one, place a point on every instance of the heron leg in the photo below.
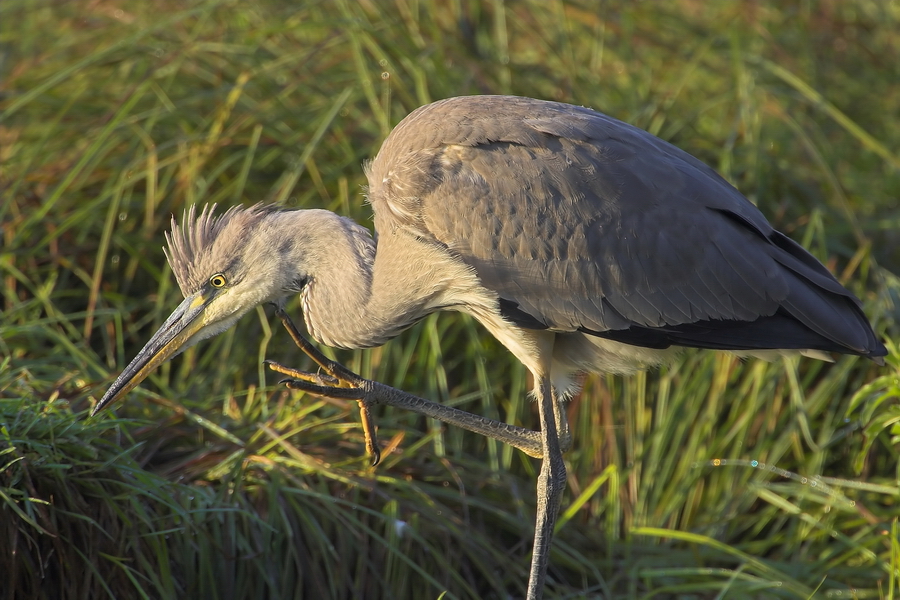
(340, 382)
(548, 444)
(562, 422)
(550, 485)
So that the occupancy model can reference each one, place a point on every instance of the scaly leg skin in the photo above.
(550, 486)
(562, 422)
(339, 382)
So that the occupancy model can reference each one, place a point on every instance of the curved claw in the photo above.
(375, 453)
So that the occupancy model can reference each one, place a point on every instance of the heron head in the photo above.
(224, 267)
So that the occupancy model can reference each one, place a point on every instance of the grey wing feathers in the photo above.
(580, 222)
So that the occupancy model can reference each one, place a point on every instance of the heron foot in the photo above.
(330, 386)
(337, 381)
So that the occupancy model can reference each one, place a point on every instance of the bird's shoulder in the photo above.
(526, 176)
(497, 153)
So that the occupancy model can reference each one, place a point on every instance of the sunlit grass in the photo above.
(711, 478)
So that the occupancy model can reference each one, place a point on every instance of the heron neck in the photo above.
(358, 296)
(335, 258)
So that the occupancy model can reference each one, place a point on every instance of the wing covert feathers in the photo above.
(579, 222)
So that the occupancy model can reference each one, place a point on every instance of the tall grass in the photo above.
(712, 478)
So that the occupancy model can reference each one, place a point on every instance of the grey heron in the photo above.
(581, 243)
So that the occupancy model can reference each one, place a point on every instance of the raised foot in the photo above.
(330, 386)
(336, 381)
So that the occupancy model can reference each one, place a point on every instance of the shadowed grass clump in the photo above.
(710, 478)
(86, 517)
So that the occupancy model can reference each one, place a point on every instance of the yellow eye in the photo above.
(218, 280)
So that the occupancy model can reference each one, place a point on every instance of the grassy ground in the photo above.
(709, 479)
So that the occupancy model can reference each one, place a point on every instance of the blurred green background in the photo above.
(712, 478)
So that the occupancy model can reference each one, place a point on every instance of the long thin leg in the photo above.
(340, 382)
(550, 486)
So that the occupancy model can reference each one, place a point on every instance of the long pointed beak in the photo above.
(174, 336)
